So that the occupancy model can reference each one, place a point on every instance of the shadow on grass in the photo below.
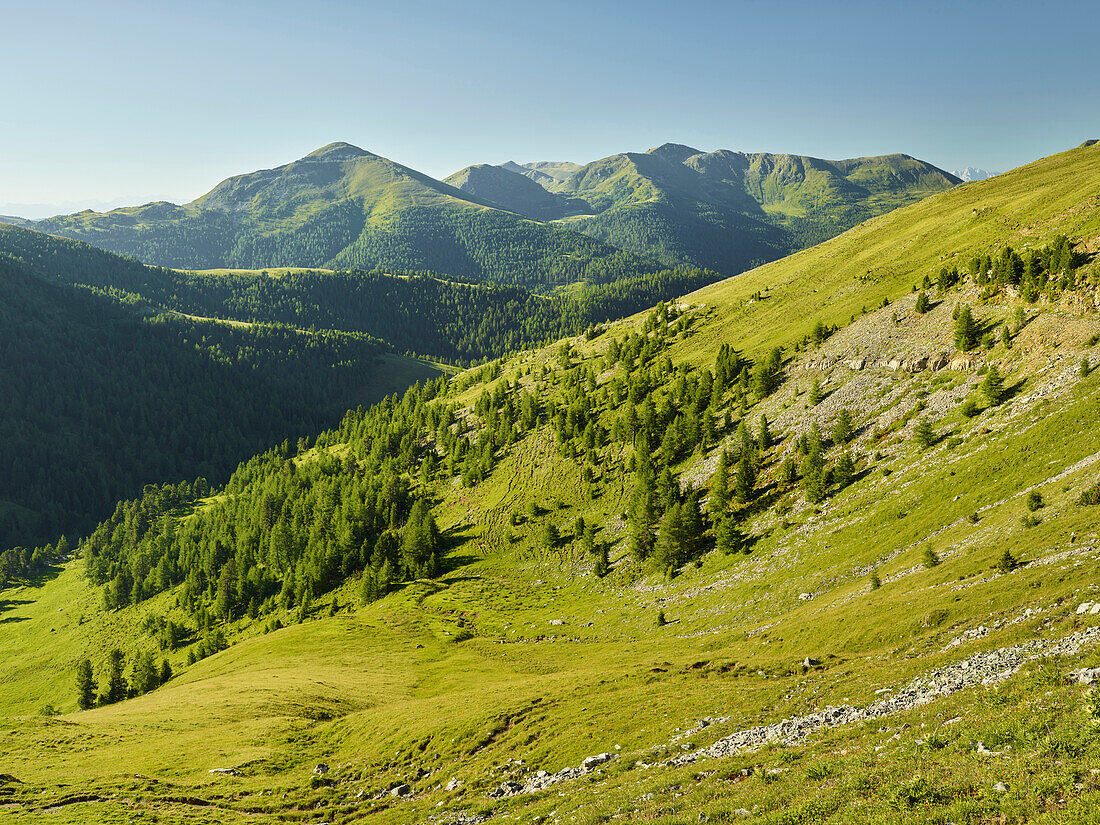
(14, 619)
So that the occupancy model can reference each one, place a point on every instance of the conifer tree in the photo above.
(844, 471)
(922, 305)
(816, 394)
(966, 329)
(728, 536)
(764, 440)
(993, 386)
(923, 434)
(842, 428)
(115, 687)
(719, 485)
(85, 685)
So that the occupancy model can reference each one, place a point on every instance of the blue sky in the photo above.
(118, 101)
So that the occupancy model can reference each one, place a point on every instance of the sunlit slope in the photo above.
(887, 255)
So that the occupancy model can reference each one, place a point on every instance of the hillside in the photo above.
(659, 572)
(416, 312)
(515, 192)
(103, 394)
(726, 210)
(341, 207)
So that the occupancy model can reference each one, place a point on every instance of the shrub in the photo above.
(661, 620)
(1090, 496)
(1034, 500)
(876, 581)
(930, 558)
(1006, 563)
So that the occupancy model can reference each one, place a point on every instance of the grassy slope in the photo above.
(520, 687)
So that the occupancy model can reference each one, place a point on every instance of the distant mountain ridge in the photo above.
(540, 224)
(724, 210)
(342, 207)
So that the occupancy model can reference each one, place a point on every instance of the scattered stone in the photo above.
(320, 769)
(805, 597)
(982, 750)
(401, 790)
(1001, 787)
(453, 785)
(224, 771)
(742, 812)
(1083, 608)
(557, 621)
(1085, 675)
(807, 663)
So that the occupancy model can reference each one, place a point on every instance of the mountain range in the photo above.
(548, 225)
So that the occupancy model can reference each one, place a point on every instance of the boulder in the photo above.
(592, 761)
(320, 769)
(401, 790)
(939, 361)
(894, 364)
(1083, 608)
(807, 663)
(1085, 675)
(224, 771)
(453, 785)
(857, 363)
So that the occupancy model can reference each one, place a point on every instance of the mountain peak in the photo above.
(337, 152)
(673, 152)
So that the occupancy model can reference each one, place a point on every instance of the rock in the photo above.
(805, 597)
(742, 812)
(453, 784)
(401, 790)
(938, 362)
(857, 363)
(1085, 675)
(508, 788)
(807, 663)
(894, 364)
(1083, 608)
(982, 750)
(1001, 787)
(1095, 609)
(592, 761)
(224, 771)
(704, 818)
(557, 621)
(320, 769)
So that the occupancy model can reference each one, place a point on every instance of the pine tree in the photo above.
(767, 372)
(923, 434)
(844, 471)
(728, 536)
(745, 479)
(966, 329)
(922, 306)
(816, 395)
(670, 549)
(115, 687)
(1006, 338)
(930, 559)
(842, 428)
(993, 386)
(85, 685)
(764, 440)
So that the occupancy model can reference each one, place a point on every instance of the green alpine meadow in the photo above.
(683, 485)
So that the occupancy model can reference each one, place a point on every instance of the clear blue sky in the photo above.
(140, 101)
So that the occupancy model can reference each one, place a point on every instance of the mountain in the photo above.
(802, 546)
(971, 173)
(515, 192)
(342, 207)
(103, 394)
(725, 210)
(543, 171)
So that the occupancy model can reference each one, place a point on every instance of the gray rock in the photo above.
(401, 790)
(453, 785)
(808, 662)
(592, 761)
(320, 769)
(1001, 787)
(1085, 675)
(224, 771)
